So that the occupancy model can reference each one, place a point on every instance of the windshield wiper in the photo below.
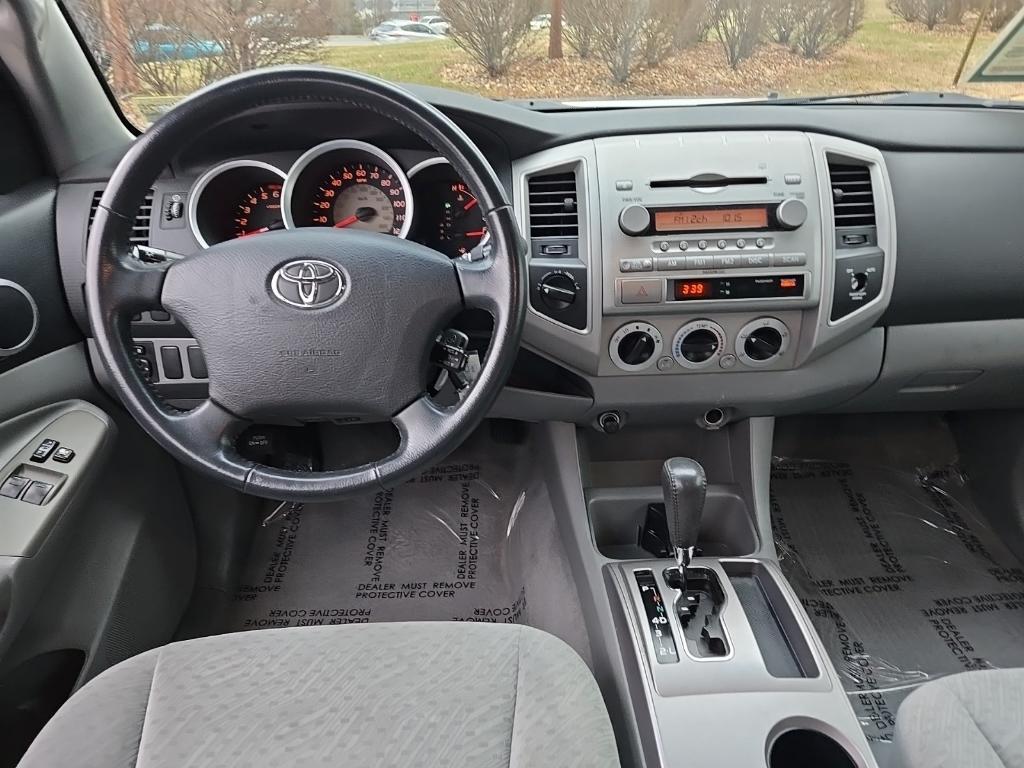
(906, 98)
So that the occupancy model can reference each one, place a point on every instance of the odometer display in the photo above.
(348, 184)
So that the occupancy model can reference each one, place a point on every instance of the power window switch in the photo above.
(63, 454)
(43, 451)
(36, 493)
(13, 486)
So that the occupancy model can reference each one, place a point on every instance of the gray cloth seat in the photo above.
(409, 694)
(969, 720)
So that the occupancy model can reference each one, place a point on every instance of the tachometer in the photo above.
(449, 218)
(348, 184)
(235, 199)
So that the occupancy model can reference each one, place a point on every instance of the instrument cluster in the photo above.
(340, 184)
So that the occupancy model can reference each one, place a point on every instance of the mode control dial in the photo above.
(558, 290)
(698, 344)
(634, 220)
(762, 341)
(791, 213)
(635, 346)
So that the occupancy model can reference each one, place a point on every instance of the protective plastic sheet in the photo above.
(901, 576)
(470, 539)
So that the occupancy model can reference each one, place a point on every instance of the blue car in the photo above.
(164, 43)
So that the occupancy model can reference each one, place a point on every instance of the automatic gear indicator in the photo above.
(657, 618)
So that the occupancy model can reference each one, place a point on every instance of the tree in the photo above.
(492, 32)
(738, 24)
(660, 28)
(579, 26)
(555, 32)
(908, 10)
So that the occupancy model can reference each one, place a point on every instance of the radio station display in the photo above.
(710, 219)
(717, 288)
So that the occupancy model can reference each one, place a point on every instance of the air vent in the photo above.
(553, 205)
(140, 227)
(852, 200)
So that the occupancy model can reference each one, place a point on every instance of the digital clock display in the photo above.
(693, 289)
(710, 219)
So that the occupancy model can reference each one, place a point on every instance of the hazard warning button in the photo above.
(641, 291)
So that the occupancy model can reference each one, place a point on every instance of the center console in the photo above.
(743, 254)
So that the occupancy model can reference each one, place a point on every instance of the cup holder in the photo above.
(807, 748)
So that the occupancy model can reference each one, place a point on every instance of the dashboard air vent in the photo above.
(853, 202)
(553, 205)
(140, 227)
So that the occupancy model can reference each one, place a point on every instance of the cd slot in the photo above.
(705, 182)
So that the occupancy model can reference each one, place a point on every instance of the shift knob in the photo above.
(685, 487)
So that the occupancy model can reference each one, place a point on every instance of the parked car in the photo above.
(161, 42)
(437, 23)
(402, 30)
(541, 21)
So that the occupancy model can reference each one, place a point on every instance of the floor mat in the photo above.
(901, 576)
(470, 539)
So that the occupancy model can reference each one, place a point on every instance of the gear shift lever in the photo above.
(685, 487)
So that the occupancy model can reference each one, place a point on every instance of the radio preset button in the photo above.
(641, 291)
(683, 245)
(670, 263)
(759, 242)
(663, 246)
(741, 243)
(702, 244)
(700, 262)
(723, 244)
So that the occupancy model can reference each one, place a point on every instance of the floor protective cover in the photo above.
(471, 538)
(901, 576)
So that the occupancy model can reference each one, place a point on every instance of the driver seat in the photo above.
(390, 694)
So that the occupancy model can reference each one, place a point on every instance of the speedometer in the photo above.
(348, 184)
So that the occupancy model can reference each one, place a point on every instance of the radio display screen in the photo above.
(710, 219)
(773, 287)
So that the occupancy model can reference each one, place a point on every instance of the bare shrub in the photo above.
(492, 32)
(579, 26)
(659, 30)
(739, 25)
(617, 32)
(782, 18)
(823, 27)
(908, 10)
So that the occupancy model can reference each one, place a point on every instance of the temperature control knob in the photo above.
(698, 344)
(558, 291)
(762, 341)
(791, 213)
(635, 346)
(634, 220)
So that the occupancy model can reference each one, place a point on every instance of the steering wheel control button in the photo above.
(44, 450)
(698, 344)
(13, 486)
(635, 346)
(761, 342)
(451, 355)
(642, 291)
(197, 363)
(170, 357)
(63, 455)
(308, 284)
(36, 493)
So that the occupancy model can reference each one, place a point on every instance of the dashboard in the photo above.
(706, 263)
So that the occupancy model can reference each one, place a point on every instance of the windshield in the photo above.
(154, 52)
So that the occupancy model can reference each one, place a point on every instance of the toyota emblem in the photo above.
(308, 284)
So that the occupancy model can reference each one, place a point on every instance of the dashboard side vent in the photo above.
(554, 209)
(853, 202)
(140, 227)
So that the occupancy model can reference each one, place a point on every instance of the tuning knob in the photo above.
(634, 220)
(791, 213)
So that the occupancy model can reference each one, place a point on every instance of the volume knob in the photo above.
(634, 220)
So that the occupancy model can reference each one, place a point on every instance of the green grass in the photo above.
(399, 62)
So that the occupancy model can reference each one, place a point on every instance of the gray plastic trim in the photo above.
(9, 351)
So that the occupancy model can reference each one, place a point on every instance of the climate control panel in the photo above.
(702, 345)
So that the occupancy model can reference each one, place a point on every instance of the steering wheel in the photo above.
(311, 324)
